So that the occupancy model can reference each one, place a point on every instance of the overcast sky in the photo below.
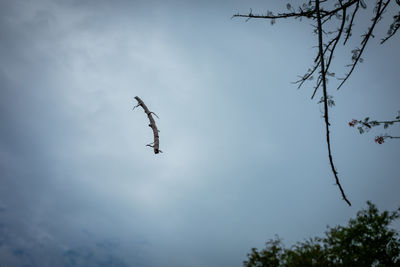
(245, 155)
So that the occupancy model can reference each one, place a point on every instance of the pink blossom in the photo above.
(353, 122)
(379, 139)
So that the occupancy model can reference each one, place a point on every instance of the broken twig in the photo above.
(156, 144)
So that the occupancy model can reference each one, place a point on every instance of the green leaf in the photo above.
(288, 6)
(367, 240)
(361, 130)
(366, 119)
(363, 5)
(386, 125)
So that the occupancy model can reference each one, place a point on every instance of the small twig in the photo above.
(337, 38)
(154, 114)
(344, 6)
(391, 137)
(396, 26)
(348, 30)
(393, 33)
(317, 63)
(380, 139)
(393, 121)
(156, 144)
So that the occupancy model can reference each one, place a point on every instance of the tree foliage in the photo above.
(333, 23)
(367, 240)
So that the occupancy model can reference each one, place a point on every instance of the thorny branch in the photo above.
(156, 144)
(344, 6)
(317, 62)
(335, 42)
(310, 13)
(313, 10)
(379, 12)
(302, 13)
(326, 117)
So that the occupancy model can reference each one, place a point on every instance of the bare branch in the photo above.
(344, 6)
(381, 139)
(307, 14)
(313, 10)
(391, 137)
(326, 116)
(308, 75)
(334, 41)
(337, 38)
(393, 33)
(156, 144)
(379, 11)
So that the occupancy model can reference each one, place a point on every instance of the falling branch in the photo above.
(156, 144)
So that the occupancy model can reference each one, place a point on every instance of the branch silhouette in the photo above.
(346, 12)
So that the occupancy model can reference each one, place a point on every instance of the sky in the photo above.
(244, 151)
